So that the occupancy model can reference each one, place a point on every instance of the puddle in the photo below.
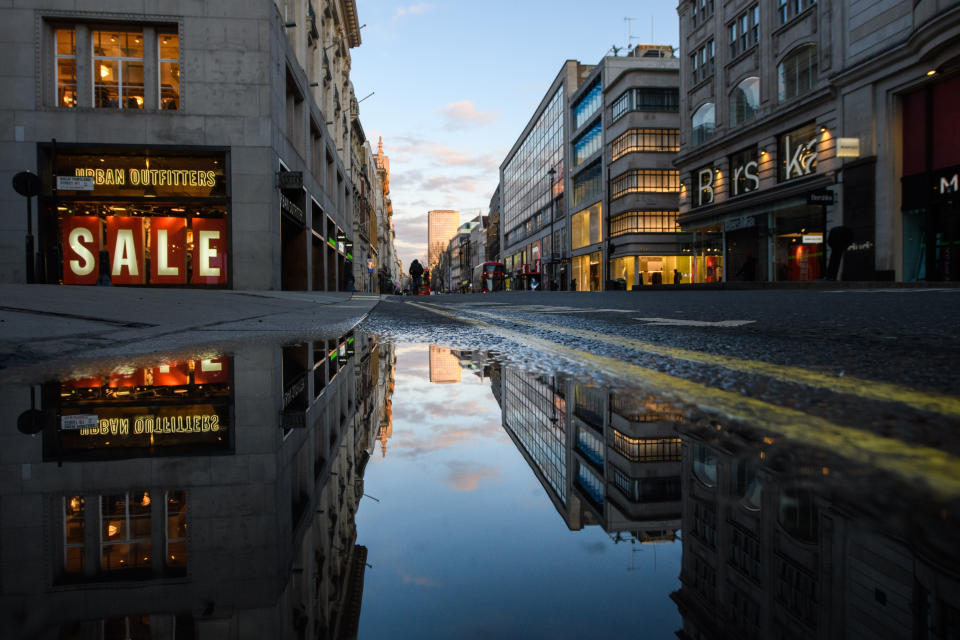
(351, 487)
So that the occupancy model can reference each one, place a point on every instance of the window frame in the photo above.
(792, 57)
(734, 121)
(698, 139)
(633, 141)
(121, 62)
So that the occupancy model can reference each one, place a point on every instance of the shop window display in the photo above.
(149, 217)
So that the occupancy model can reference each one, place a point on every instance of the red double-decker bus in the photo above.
(488, 277)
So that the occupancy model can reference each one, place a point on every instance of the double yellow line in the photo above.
(938, 470)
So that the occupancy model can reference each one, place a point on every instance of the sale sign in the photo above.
(125, 244)
(209, 251)
(168, 250)
(81, 249)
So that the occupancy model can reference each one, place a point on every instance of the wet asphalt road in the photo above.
(848, 365)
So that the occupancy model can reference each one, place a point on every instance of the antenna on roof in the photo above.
(630, 36)
(615, 49)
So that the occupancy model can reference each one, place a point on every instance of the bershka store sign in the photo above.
(127, 240)
(798, 153)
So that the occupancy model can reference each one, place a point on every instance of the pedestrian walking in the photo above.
(677, 277)
(416, 273)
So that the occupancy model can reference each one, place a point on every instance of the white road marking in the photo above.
(676, 322)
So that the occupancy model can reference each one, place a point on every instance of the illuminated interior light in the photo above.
(112, 530)
(932, 72)
(74, 503)
(139, 101)
(146, 499)
(104, 71)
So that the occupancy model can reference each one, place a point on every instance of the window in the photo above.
(647, 449)
(66, 47)
(590, 483)
(646, 181)
(118, 69)
(584, 231)
(588, 185)
(797, 74)
(702, 9)
(587, 144)
(588, 105)
(644, 222)
(650, 140)
(73, 534)
(704, 465)
(168, 46)
(744, 31)
(745, 101)
(122, 72)
(702, 63)
(703, 123)
(647, 99)
(787, 10)
(176, 519)
(590, 445)
(125, 531)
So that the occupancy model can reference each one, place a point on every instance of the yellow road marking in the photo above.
(850, 385)
(938, 470)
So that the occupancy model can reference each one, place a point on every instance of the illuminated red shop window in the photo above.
(171, 408)
(142, 217)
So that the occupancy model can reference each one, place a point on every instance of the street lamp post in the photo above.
(552, 174)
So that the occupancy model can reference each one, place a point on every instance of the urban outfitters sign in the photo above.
(143, 173)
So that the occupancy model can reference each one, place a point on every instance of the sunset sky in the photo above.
(456, 81)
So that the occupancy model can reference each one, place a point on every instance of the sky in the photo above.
(454, 83)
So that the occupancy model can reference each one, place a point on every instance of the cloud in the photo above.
(466, 476)
(463, 115)
(413, 9)
(420, 581)
(405, 150)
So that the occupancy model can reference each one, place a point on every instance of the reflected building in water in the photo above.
(769, 551)
(444, 366)
(604, 457)
(208, 497)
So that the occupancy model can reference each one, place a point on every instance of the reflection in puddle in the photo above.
(219, 496)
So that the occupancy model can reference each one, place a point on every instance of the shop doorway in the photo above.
(743, 249)
(293, 251)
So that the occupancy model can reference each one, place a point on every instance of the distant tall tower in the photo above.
(441, 226)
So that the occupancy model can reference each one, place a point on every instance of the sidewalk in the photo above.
(46, 323)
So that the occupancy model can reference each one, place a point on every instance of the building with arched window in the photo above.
(820, 117)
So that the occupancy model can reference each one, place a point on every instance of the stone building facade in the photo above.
(802, 119)
(194, 144)
(213, 496)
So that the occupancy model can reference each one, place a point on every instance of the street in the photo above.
(859, 372)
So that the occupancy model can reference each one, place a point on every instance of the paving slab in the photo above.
(46, 326)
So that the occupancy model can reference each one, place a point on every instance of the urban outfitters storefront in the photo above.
(134, 216)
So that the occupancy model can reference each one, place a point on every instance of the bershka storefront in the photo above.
(155, 216)
(770, 230)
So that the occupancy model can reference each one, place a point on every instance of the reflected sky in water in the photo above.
(351, 486)
(465, 541)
